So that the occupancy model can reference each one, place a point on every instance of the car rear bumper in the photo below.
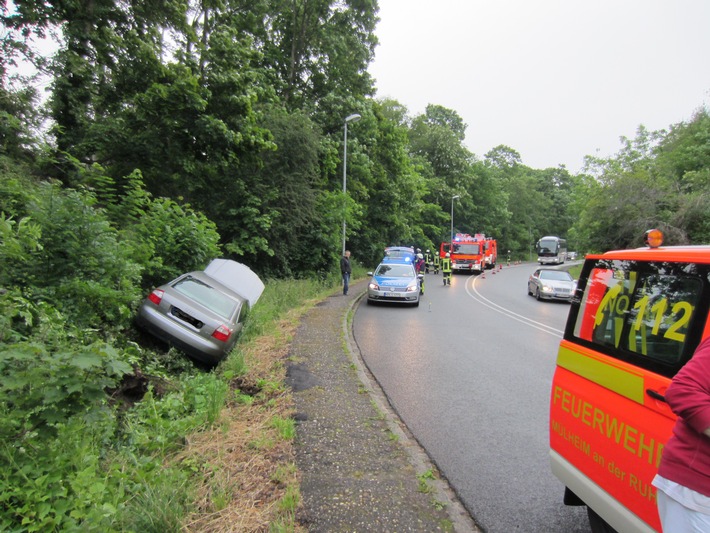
(181, 336)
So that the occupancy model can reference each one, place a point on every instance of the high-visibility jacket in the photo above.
(436, 260)
(446, 265)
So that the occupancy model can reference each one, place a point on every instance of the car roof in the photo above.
(680, 254)
(402, 259)
(237, 277)
(400, 248)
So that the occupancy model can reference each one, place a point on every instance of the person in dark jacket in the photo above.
(345, 270)
(683, 479)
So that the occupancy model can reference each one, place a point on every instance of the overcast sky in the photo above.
(553, 79)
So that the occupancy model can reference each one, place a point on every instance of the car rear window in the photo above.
(206, 296)
(650, 314)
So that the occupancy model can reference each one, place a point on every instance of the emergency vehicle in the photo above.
(490, 253)
(636, 319)
(467, 253)
(444, 249)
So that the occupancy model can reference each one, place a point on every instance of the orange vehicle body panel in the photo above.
(614, 440)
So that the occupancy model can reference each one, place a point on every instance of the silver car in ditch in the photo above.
(201, 312)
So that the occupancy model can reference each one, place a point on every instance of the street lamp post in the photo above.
(452, 216)
(350, 118)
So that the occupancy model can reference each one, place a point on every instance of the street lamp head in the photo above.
(454, 197)
(352, 118)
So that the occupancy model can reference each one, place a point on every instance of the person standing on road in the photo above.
(446, 268)
(345, 271)
(683, 479)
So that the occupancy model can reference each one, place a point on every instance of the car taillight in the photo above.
(156, 296)
(222, 333)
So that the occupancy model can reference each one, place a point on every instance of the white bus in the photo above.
(551, 250)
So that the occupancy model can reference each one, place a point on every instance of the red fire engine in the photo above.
(490, 253)
(471, 253)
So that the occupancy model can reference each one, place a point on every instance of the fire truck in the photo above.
(471, 253)
(490, 252)
(467, 253)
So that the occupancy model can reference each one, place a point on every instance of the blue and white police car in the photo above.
(395, 282)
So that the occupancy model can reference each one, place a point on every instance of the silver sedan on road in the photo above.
(551, 284)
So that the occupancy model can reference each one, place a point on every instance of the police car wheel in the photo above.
(597, 523)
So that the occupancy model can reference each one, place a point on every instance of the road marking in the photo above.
(472, 291)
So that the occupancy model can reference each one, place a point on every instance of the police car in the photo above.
(395, 282)
(635, 320)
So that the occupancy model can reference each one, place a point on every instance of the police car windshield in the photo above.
(395, 271)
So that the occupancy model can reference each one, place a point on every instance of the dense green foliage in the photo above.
(175, 132)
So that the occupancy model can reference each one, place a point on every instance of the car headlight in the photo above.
(374, 286)
(547, 288)
(413, 287)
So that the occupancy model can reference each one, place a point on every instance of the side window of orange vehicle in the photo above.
(650, 314)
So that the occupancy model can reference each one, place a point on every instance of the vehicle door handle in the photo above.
(656, 395)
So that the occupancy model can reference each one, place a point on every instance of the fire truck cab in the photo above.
(467, 253)
(636, 318)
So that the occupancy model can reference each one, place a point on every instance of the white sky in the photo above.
(554, 80)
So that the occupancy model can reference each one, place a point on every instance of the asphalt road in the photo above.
(469, 372)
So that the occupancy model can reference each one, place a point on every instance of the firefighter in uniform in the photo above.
(427, 261)
(437, 262)
(446, 268)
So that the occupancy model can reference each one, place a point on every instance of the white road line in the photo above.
(472, 291)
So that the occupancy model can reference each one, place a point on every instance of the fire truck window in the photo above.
(645, 310)
(658, 323)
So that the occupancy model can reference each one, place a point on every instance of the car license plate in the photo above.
(392, 295)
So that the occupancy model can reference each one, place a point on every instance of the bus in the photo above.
(551, 250)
